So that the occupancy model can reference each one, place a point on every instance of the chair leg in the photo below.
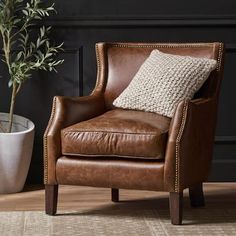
(115, 195)
(176, 207)
(51, 195)
(196, 196)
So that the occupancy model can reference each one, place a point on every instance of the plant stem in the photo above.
(13, 98)
(7, 46)
(18, 89)
(6, 37)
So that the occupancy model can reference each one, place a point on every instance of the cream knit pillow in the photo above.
(163, 81)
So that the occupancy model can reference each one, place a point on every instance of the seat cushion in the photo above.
(122, 133)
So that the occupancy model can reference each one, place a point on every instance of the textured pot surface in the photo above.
(15, 153)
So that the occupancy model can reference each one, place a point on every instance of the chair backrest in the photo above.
(118, 63)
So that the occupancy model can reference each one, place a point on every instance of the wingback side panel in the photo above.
(119, 62)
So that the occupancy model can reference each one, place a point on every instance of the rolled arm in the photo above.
(66, 111)
(190, 144)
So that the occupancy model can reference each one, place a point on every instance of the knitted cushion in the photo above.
(163, 81)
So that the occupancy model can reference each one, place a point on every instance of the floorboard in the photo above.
(76, 198)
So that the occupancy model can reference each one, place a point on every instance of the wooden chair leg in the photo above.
(176, 207)
(51, 195)
(196, 196)
(115, 195)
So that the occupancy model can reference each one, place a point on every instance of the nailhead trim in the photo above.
(45, 142)
(99, 54)
(161, 45)
(219, 59)
(98, 62)
(173, 45)
(177, 146)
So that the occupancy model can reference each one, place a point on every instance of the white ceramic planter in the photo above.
(15, 153)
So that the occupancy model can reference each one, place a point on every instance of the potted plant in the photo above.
(22, 56)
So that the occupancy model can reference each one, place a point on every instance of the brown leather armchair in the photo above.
(89, 142)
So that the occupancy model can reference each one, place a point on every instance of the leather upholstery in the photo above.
(124, 133)
(190, 133)
(66, 111)
(191, 138)
(111, 173)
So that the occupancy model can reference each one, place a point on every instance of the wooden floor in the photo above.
(74, 198)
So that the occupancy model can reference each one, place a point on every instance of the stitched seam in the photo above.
(110, 132)
(177, 147)
(151, 158)
(46, 142)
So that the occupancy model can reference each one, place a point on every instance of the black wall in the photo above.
(80, 24)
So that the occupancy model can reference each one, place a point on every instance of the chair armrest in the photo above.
(190, 144)
(66, 111)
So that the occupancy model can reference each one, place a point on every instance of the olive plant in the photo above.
(21, 54)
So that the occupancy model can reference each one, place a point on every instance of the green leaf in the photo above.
(31, 54)
(25, 12)
(19, 55)
(10, 83)
(16, 21)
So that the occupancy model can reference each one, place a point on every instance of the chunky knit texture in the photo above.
(163, 81)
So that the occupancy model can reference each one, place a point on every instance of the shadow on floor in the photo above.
(220, 208)
(30, 188)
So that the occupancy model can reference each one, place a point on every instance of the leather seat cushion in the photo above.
(123, 133)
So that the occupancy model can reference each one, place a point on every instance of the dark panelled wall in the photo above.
(80, 24)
